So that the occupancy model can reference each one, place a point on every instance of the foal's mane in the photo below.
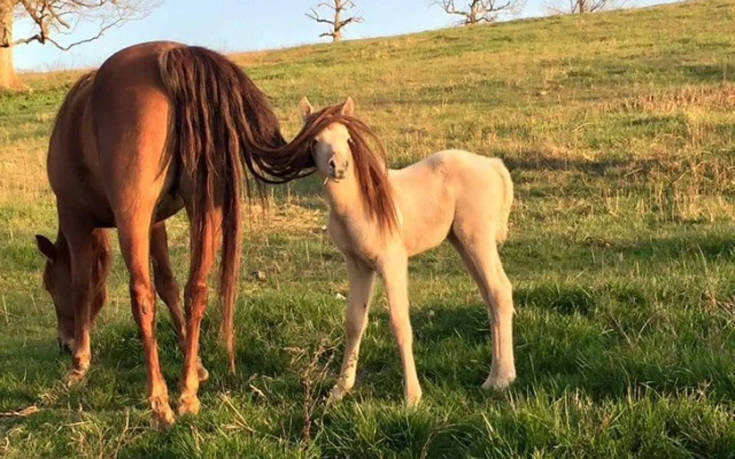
(369, 157)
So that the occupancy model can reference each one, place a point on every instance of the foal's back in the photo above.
(432, 193)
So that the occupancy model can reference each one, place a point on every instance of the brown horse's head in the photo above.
(57, 281)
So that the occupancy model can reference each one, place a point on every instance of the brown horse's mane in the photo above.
(369, 157)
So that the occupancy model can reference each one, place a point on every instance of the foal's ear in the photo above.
(47, 248)
(305, 108)
(348, 108)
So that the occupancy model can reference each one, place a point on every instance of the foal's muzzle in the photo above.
(337, 172)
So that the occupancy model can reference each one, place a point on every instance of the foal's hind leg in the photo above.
(203, 242)
(361, 280)
(134, 232)
(480, 254)
(168, 288)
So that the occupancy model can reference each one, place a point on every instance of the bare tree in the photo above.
(54, 20)
(336, 22)
(584, 6)
(473, 12)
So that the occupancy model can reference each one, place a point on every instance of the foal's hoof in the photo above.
(498, 382)
(336, 395)
(188, 405)
(163, 419)
(413, 400)
(74, 377)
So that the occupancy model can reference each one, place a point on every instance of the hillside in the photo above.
(619, 131)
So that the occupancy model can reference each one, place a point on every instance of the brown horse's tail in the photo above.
(220, 123)
(507, 183)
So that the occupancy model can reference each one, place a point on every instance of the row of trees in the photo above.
(53, 19)
(468, 12)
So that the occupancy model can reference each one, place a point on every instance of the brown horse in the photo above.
(159, 127)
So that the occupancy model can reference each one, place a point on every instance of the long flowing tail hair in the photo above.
(222, 122)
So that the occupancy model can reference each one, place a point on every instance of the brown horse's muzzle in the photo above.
(63, 347)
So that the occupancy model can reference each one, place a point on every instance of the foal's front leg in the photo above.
(394, 272)
(361, 279)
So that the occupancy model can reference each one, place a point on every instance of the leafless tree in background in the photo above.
(473, 12)
(584, 6)
(53, 20)
(337, 22)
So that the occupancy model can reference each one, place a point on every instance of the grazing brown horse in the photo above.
(159, 127)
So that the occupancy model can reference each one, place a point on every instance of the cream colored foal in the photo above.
(452, 195)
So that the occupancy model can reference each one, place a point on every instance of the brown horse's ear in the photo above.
(305, 108)
(47, 248)
(348, 108)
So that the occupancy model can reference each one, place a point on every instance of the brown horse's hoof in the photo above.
(188, 404)
(163, 418)
(74, 377)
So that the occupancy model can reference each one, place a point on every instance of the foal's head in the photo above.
(57, 281)
(344, 148)
(331, 150)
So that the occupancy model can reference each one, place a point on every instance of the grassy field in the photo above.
(619, 131)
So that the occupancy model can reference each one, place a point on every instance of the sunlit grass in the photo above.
(619, 131)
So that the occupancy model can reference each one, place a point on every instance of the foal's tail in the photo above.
(502, 233)
(219, 118)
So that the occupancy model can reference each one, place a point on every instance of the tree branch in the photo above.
(315, 16)
(61, 17)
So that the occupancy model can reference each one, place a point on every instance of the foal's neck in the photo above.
(345, 198)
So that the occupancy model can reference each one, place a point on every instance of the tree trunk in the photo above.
(337, 33)
(8, 79)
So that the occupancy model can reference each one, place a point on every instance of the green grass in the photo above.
(619, 130)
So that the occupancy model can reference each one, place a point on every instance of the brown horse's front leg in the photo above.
(101, 262)
(79, 242)
(168, 288)
(134, 244)
(203, 243)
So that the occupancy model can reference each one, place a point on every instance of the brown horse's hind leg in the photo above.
(134, 233)
(168, 288)
(203, 244)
